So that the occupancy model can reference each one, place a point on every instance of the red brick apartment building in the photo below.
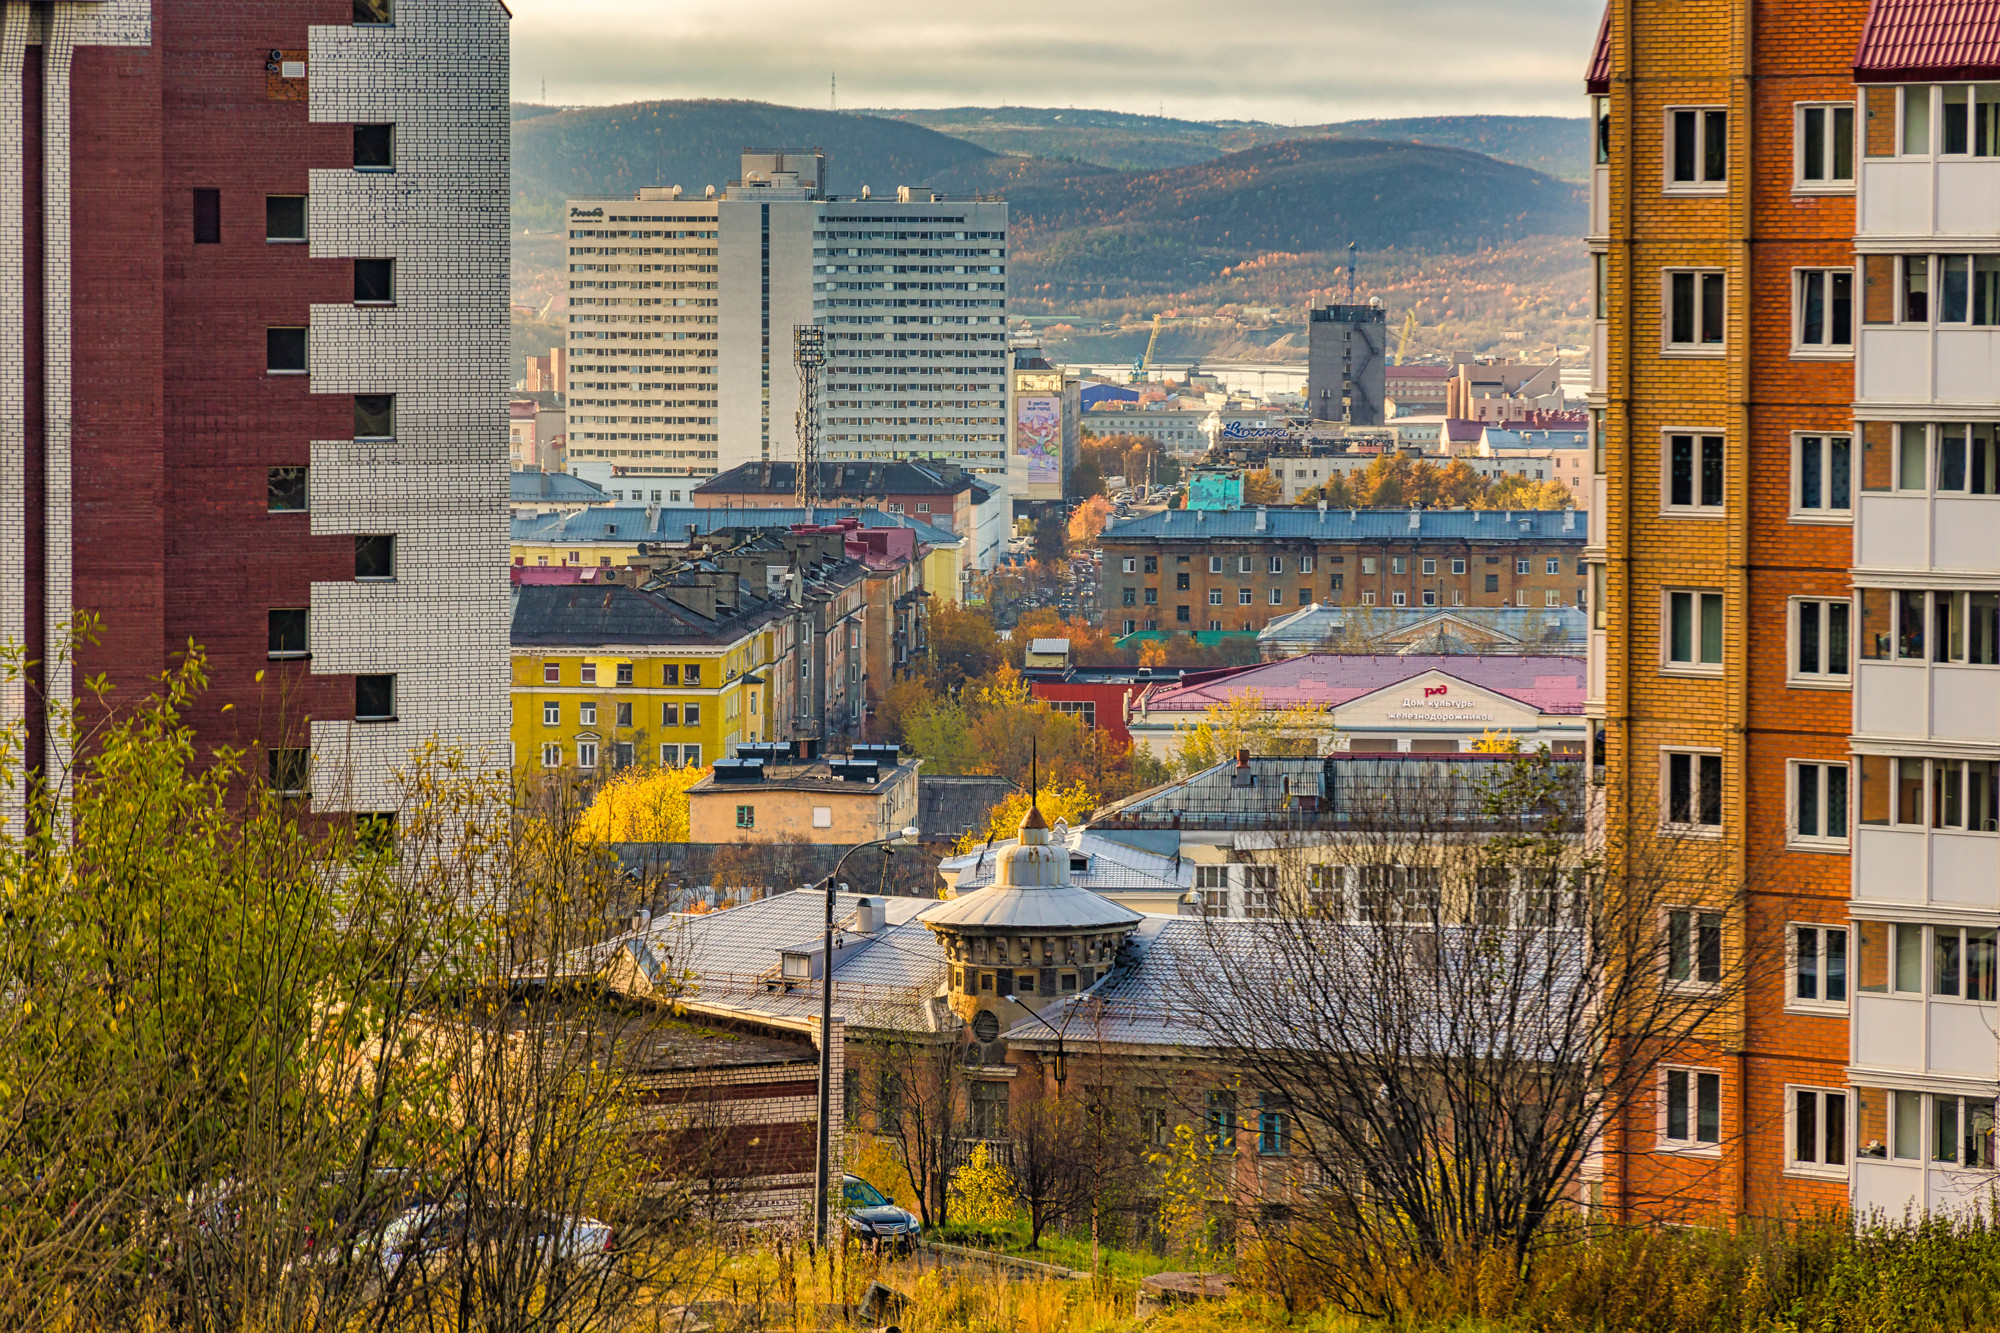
(253, 368)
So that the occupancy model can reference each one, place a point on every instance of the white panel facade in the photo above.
(440, 487)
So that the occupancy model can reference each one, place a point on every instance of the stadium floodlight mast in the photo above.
(823, 1172)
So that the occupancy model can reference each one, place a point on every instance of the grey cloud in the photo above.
(1280, 60)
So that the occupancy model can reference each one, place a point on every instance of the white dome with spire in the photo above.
(1031, 891)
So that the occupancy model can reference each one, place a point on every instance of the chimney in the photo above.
(1260, 518)
(641, 919)
(867, 917)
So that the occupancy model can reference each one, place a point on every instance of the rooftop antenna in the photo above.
(809, 354)
(1350, 273)
(833, 92)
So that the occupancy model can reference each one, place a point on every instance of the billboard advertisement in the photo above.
(1038, 437)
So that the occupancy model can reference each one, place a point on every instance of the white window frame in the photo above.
(1694, 666)
(552, 753)
(551, 713)
(1700, 185)
(1430, 598)
(1243, 564)
(586, 754)
(1368, 599)
(1458, 565)
(1823, 782)
(1825, 678)
(1277, 565)
(1305, 564)
(1399, 599)
(1553, 565)
(1129, 565)
(1668, 347)
(1696, 754)
(1693, 1146)
(1829, 184)
(1817, 1168)
(1552, 597)
(670, 756)
(1215, 564)
(586, 713)
(1430, 565)
(1277, 597)
(690, 756)
(1826, 351)
(1818, 1004)
(1699, 440)
(1822, 443)
(1214, 598)
(822, 816)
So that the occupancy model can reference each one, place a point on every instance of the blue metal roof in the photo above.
(1375, 525)
(630, 523)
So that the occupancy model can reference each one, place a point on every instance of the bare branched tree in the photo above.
(1450, 1003)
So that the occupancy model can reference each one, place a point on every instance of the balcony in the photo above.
(1915, 531)
(1929, 197)
(1927, 868)
(1950, 364)
(1944, 701)
(1934, 1038)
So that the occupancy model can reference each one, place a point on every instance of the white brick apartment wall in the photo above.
(440, 74)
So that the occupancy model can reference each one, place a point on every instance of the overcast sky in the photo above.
(1287, 61)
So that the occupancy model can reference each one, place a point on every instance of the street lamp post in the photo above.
(823, 1172)
(1062, 1056)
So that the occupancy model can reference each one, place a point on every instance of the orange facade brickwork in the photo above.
(1756, 62)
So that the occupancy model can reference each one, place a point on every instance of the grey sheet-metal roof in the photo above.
(1334, 525)
(1107, 866)
(532, 485)
(1054, 909)
(638, 523)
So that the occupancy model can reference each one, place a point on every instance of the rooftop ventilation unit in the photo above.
(739, 770)
(856, 770)
(886, 756)
(765, 753)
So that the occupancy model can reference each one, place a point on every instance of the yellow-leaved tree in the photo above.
(1243, 723)
(1072, 804)
(641, 805)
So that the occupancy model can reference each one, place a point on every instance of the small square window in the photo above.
(285, 351)
(208, 217)
(1152, 563)
(375, 150)
(285, 490)
(285, 218)
(1305, 597)
(551, 673)
(624, 673)
(374, 416)
(1215, 597)
(1430, 566)
(291, 771)
(374, 698)
(373, 11)
(692, 674)
(374, 282)
(288, 637)
(1181, 615)
(1458, 566)
(587, 673)
(746, 816)
(375, 557)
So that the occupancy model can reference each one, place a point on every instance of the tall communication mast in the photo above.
(809, 354)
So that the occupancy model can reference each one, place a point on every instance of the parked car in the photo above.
(876, 1222)
(425, 1240)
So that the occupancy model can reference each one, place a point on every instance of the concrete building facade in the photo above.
(257, 289)
(1346, 375)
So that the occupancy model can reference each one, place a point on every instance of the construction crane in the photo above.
(1403, 343)
(809, 355)
(1146, 362)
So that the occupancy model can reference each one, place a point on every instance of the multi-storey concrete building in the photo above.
(1923, 151)
(253, 284)
(1201, 570)
(1348, 358)
(683, 313)
(1722, 647)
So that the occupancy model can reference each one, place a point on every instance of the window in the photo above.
(1945, 794)
(691, 715)
(1693, 638)
(1128, 565)
(1962, 962)
(1916, 122)
(989, 1102)
(1215, 564)
(1693, 790)
(623, 714)
(285, 351)
(586, 754)
(1367, 564)
(1818, 1130)
(1698, 148)
(1221, 1133)
(1458, 566)
(1399, 599)
(1152, 564)
(374, 698)
(1277, 565)
(746, 816)
(207, 217)
(1552, 597)
(1695, 473)
(374, 282)
(1823, 311)
(1277, 597)
(1182, 616)
(1820, 652)
(285, 218)
(1493, 583)
(1215, 597)
(691, 756)
(285, 490)
(1273, 1124)
(1692, 1114)
(551, 673)
(1180, 583)
(623, 673)
(374, 416)
(1945, 627)
(1521, 566)
(1825, 138)
(373, 11)
(288, 633)
(1819, 804)
(1242, 564)
(1399, 564)
(1152, 597)
(375, 557)
(374, 147)
(1306, 596)
(586, 713)
(1694, 310)
(291, 771)
(1131, 597)
(1243, 597)
(1430, 566)
(551, 755)
(1822, 476)
(1555, 565)
(1305, 564)
(1131, 626)
(1694, 947)
(1818, 967)
(551, 713)
(1430, 598)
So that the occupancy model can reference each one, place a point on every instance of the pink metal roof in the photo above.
(1597, 79)
(1324, 680)
(1929, 39)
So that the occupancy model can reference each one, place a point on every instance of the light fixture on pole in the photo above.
(823, 1172)
(1062, 1056)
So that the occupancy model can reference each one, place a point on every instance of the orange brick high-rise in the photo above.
(1722, 231)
